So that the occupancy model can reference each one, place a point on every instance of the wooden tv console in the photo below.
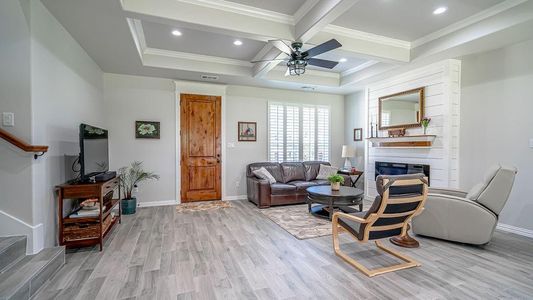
(89, 231)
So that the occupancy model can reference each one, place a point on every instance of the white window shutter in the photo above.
(276, 133)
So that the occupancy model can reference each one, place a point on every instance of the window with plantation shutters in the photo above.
(298, 132)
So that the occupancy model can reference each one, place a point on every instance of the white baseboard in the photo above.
(515, 230)
(157, 203)
(11, 226)
(231, 198)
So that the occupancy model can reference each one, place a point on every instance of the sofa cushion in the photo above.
(282, 188)
(272, 167)
(292, 171)
(302, 185)
(321, 182)
(326, 171)
(263, 173)
(312, 168)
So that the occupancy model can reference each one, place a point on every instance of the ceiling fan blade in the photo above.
(287, 73)
(322, 48)
(265, 60)
(328, 64)
(282, 46)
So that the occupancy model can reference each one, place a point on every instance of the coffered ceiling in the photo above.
(378, 37)
(408, 19)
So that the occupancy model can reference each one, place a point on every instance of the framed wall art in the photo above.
(247, 131)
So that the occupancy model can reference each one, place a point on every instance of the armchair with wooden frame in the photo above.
(400, 199)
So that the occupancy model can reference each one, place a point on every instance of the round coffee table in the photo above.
(329, 200)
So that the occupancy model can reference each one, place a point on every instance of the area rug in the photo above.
(296, 220)
(202, 206)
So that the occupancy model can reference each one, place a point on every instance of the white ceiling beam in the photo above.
(209, 16)
(365, 45)
(316, 19)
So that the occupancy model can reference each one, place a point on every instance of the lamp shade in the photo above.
(348, 151)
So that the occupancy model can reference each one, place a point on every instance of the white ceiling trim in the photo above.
(243, 9)
(312, 72)
(359, 67)
(487, 13)
(198, 57)
(352, 33)
(304, 9)
(169, 59)
(137, 33)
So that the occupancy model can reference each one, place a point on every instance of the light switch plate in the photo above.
(530, 143)
(8, 119)
(231, 145)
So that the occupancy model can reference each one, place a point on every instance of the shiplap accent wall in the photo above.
(441, 82)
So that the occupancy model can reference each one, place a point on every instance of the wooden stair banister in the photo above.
(23, 145)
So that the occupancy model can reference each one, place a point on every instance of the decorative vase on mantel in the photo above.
(425, 123)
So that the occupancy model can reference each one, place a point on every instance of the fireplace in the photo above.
(391, 168)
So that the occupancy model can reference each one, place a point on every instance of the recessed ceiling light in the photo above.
(237, 43)
(343, 60)
(440, 10)
(176, 32)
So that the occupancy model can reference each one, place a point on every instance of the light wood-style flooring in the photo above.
(238, 253)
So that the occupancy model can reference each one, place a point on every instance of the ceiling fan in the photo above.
(298, 60)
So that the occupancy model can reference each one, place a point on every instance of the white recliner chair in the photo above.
(467, 217)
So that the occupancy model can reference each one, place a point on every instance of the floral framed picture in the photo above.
(147, 130)
(247, 131)
(358, 134)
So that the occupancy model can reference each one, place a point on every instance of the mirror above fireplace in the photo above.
(401, 110)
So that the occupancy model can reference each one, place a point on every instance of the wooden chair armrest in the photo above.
(348, 216)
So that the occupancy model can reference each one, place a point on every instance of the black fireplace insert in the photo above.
(389, 168)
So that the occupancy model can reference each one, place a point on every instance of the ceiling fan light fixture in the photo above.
(296, 67)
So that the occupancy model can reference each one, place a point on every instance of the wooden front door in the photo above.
(200, 147)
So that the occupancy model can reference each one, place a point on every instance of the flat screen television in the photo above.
(94, 151)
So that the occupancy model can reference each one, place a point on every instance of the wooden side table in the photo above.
(352, 173)
(89, 231)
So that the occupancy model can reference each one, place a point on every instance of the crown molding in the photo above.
(137, 33)
(487, 13)
(197, 57)
(359, 67)
(242, 9)
(356, 34)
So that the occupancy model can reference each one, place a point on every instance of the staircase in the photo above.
(22, 275)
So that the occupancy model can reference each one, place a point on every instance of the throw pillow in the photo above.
(326, 171)
(263, 173)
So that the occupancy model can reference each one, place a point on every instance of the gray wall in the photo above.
(15, 96)
(354, 117)
(130, 98)
(496, 123)
(67, 89)
(51, 85)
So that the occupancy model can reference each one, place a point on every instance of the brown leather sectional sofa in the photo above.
(292, 180)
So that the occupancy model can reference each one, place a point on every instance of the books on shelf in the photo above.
(82, 213)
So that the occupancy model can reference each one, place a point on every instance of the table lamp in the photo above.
(347, 153)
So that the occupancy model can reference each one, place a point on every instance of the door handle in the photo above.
(218, 160)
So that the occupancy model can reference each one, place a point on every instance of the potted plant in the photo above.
(130, 177)
(425, 123)
(335, 181)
